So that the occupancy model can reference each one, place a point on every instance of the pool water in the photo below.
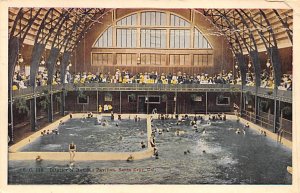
(90, 137)
(217, 156)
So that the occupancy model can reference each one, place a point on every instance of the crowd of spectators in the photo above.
(125, 76)
(21, 81)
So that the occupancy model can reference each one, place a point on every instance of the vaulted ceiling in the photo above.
(245, 29)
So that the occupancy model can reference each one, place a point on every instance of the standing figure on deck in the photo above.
(72, 149)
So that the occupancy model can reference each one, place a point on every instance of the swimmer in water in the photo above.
(38, 159)
(160, 131)
(143, 145)
(120, 138)
(247, 125)
(117, 125)
(130, 158)
(238, 131)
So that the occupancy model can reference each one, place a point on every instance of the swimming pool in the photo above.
(115, 136)
(217, 156)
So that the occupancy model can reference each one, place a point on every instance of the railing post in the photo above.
(50, 108)
(33, 111)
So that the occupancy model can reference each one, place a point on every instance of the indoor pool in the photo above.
(214, 155)
(89, 136)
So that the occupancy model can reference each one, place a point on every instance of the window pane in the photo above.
(176, 22)
(152, 38)
(172, 20)
(163, 18)
(163, 39)
(176, 38)
(133, 38)
(187, 39)
(148, 18)
(129, 42)
(181, 38)
(134, 20)
(157, 38)
(152, 18)
(123, 38)
(157, 18)
(143, 18)
(109, 34)
(104, 36)
(143, 42)
(172, 41)
(148, 38)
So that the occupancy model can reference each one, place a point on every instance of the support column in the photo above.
(63, 67)
(206, 103)
(120, 110)
(241, 101)
(175, 108)
(33, 122)
(97, 101)
(12, 60)
(50, 108)
(147, 102)
(276, 114)
(256, 104)
(63, 103)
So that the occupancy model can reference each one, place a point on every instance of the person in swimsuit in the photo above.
(72, 149)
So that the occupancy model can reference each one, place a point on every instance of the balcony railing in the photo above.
(262, 92)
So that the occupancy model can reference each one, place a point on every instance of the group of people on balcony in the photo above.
(267, 80)
(125, 76)
(21, 81)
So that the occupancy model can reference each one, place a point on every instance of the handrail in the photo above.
(263, 92)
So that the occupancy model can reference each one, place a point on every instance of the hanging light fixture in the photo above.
(21, 60)
(236, 65)
(268, 64)
(249, 64)
(43, 61)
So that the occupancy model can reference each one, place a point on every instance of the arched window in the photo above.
(152, 38)
(105, 39)
(199, 40)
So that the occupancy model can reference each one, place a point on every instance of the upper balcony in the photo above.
(30, 92)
